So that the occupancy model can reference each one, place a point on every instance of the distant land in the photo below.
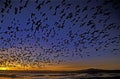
(90, 71)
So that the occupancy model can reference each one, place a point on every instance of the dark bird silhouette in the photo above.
(48, 32)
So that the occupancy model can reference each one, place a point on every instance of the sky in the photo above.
(59, 34)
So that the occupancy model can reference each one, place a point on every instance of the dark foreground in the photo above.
(83, 74)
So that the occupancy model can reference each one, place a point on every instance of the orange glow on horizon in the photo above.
(51, 68)
(4, 68)
(61, 67)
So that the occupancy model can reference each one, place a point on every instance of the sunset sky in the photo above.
(59, 34)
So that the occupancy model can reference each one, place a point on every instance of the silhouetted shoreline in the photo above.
(90, 71)
(79, 74)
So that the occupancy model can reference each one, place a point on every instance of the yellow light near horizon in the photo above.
(3, 68)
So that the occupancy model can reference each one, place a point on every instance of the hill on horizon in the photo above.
(90, 70)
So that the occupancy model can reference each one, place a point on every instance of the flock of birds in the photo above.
(34, 33)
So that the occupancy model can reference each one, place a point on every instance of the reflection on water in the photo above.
(55, 75)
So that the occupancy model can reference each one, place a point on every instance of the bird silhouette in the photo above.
(35, 33)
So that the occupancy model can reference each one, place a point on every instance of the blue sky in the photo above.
(58, 32)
